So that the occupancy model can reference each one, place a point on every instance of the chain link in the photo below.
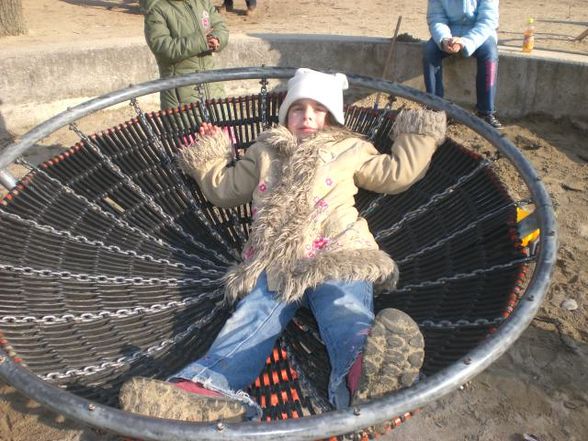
(127, 360)
(22, 161)
(116, 280)
(456, 233)
(263, 97)
(447, 324)
(93, 316)
(464, 276)
(154, 139)
(116, 220)
(201, 100)
(382, 234)
(112, 248)
(149, 200)
(381, 117)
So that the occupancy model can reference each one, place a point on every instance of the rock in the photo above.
(572, 186)
(570, 405)
(569, 304)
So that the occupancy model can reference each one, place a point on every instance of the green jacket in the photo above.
(176, 31)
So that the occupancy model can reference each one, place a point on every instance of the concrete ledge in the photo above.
(36, 84)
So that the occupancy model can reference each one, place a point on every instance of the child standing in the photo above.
(308, 246)
(184, 35)
(228, 6)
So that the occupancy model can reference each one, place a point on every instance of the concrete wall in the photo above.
(36, 84)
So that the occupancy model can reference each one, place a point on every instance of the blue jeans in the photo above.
(487, 58)
(343, 311)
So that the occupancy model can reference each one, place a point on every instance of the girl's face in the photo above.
(306, 117)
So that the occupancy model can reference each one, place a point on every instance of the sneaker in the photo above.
(175, 401)
(490, 119)
(392, 356)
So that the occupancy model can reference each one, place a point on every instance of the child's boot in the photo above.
(185, 401)
(392, 356)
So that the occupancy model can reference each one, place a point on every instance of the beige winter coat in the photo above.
(306, 229)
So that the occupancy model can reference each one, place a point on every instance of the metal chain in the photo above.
(117, 280)
(201, 100)
(145, 198)
(93, 316)
(117, 220)
(463, 276)
(423, 208)
(456, 233)
(127, 360)
(154, 139)
(444, 324)
(22, 161)
(263, 97)
(381, 117)
(102, 245)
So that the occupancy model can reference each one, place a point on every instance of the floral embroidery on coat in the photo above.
(322, 204)
(317, 245)
(320, 243)
(248, 253)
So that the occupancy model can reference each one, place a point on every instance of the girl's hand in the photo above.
(207, 129)
(213, 43)
(457, 44)
(451, 45)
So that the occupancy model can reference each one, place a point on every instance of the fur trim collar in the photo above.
(286, 143)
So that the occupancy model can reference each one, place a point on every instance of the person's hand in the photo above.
(451, 45)
(208, 129)
(213, 43)
(457, 44)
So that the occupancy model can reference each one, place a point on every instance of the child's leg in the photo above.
(368, 357)
(240, 350)
(344, 313)
(232, 363)
(487, 59)
(433, 68)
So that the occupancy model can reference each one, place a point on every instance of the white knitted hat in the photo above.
(326, 89)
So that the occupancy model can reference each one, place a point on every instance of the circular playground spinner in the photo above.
(116, 257)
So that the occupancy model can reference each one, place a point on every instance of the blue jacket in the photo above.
(473, 20)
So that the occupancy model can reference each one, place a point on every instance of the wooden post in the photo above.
(582, 36)
(389, 59)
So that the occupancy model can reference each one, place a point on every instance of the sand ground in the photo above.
(539, 388)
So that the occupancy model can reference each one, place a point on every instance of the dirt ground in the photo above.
(539, 389)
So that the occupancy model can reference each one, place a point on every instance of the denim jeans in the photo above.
(343, 311)
(487, 59)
